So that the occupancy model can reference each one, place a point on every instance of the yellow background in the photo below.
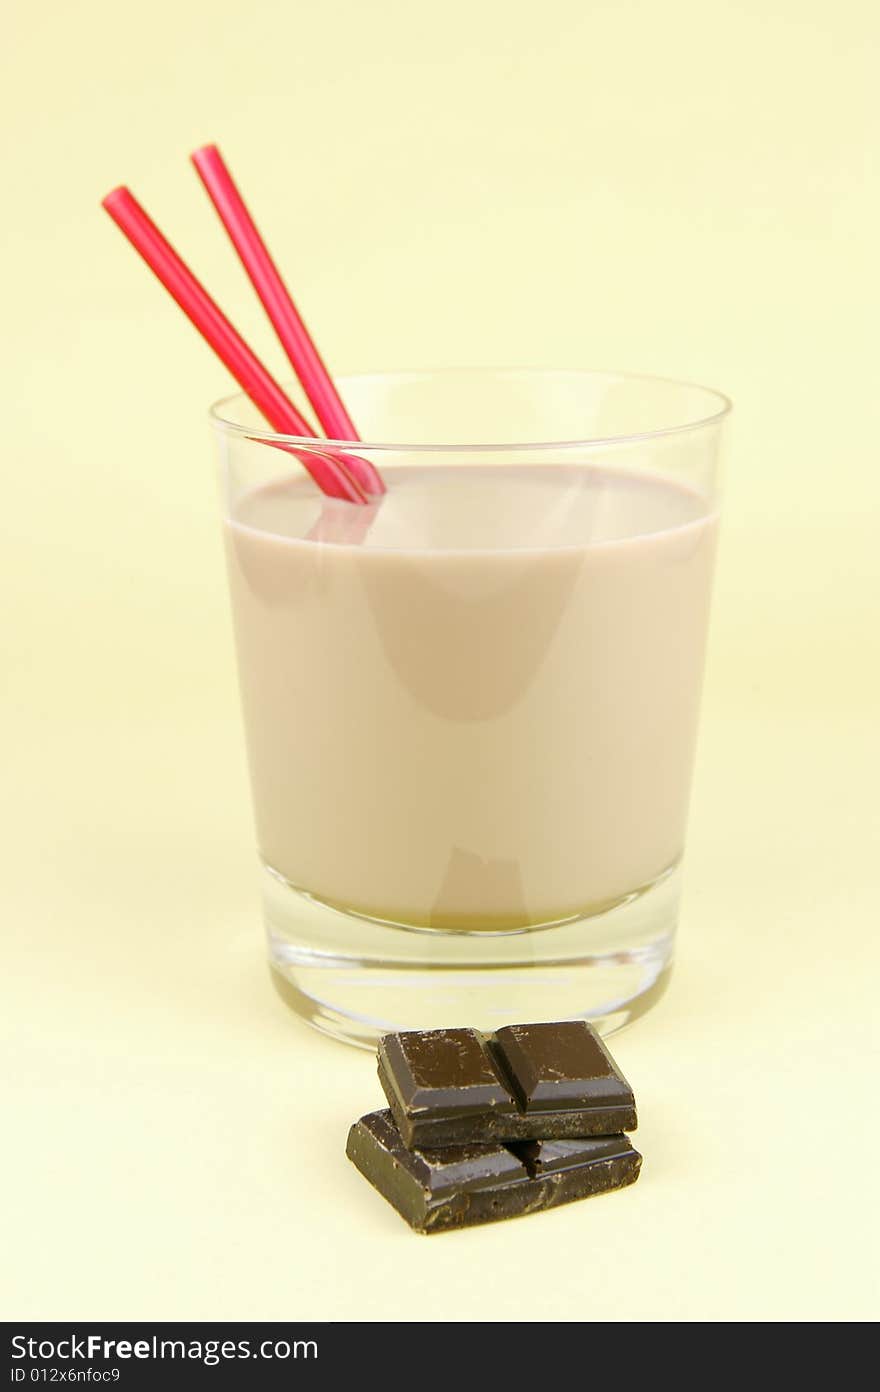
(688, 188)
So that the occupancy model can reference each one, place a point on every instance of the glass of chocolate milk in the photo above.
(471, 707)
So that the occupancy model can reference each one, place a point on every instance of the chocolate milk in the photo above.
(475, 706)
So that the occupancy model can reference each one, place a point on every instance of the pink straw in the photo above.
(278, 304)
(328, 471)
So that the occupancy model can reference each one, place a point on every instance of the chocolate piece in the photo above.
(526, 1082)
(459, 1186)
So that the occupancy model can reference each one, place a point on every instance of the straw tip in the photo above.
(120, 194)
(204, 153)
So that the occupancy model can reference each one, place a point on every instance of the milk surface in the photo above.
(474, 705)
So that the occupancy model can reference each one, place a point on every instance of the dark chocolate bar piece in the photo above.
(526, 1082)
(460, 1186)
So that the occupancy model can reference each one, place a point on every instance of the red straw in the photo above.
(278, 304)
(329, 472)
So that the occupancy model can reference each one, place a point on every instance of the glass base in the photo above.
(356, 978)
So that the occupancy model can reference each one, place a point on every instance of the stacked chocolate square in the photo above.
(483, 1127)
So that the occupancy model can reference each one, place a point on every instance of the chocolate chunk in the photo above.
(444, 1072)
(459, 1186)
(527, 1082)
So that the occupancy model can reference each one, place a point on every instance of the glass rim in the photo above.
(722, 408)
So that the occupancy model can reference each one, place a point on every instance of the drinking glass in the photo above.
(471, 706)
